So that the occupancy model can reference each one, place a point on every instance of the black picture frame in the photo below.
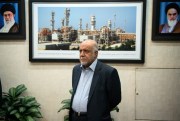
(20, 17)
(160, 18)
(40, 51)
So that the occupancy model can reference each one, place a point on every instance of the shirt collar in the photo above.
(92, 66)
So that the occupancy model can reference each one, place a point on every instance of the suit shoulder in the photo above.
(106, 67)
(76, 66)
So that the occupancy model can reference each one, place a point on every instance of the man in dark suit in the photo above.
(96, 86)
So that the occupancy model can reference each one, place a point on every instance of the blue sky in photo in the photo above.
(125, 17)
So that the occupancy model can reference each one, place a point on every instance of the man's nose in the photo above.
(6, 17)
(82, 53)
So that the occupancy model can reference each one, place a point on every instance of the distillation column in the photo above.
(52, 21)
(67, 14)
(93, 23)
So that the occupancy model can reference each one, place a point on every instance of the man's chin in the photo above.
(83, 63)
(7, 22)
(171, 22)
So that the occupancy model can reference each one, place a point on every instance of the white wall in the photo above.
(50, 82)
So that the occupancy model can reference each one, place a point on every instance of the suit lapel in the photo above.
(77, 77)
(94, 80)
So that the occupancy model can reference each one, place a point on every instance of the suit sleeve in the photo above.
(114, 89)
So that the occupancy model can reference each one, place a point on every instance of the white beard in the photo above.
(7, 26)
(171, 24)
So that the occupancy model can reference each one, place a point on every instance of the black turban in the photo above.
(172, 5)
(7, 7)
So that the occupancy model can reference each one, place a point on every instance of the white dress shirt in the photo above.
(80, 99)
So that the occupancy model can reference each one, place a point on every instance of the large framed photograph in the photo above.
(57, 28)
(12, 20)
(166, 20)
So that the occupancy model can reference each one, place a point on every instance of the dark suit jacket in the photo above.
(105, 92)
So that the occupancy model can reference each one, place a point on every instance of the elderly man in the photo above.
(173, 25)
(8, 12)
(96, 86)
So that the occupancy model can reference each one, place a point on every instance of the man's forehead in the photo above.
(88, 43)
(85, 46)
(8, 12)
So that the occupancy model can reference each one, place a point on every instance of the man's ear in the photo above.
(96, 52)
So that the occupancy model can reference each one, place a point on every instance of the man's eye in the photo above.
(7, 15)
(172, 14)
(84, 51)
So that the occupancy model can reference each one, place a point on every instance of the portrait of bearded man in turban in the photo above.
(8, 12)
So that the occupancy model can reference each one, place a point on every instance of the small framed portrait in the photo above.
(12, 20)
(166, 20)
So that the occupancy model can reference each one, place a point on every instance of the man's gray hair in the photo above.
(95, 45)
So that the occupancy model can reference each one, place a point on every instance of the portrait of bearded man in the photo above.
(8, 12)
(172, 11)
